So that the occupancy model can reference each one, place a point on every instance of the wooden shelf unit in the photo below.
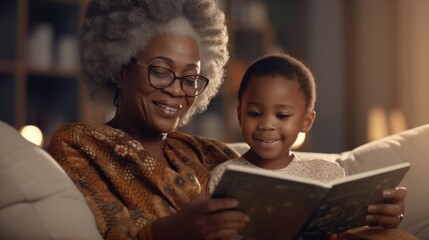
(50, 96)
(45, 97)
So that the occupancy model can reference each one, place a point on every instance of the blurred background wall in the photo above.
(370, 60)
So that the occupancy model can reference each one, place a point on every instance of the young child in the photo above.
(276, 101)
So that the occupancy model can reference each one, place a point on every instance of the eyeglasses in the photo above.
(160, 77)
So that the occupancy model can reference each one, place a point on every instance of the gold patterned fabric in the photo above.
(124, 186)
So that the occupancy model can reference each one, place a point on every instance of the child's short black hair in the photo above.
(286, 66)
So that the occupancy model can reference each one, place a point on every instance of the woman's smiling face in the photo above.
(158, 110)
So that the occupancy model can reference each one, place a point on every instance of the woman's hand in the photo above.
(388, 215)
(202, 218)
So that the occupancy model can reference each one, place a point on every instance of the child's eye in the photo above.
(283, 116)
(254, 114)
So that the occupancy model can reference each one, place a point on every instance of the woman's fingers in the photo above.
(396, 195)
(385, 221)
(212, 218)
(388, 215)
(215, 205)
(226, 218)
(224, 230)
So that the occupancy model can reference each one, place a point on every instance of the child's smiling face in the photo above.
(272, 111)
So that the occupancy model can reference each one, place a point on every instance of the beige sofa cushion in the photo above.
(38, 200)
(408, 146)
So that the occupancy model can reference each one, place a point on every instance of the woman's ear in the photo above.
(308, 121)
(120, 77)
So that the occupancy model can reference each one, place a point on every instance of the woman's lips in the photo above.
(168, 110)
(169, 107)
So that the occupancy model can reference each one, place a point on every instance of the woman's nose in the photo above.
(175, 89)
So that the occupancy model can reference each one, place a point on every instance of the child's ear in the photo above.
(239, 113)
(308, 121)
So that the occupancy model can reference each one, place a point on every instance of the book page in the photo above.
(346, 204)
(277, 208)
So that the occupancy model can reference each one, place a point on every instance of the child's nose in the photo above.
(266, 123)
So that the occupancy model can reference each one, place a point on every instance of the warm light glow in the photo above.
(397, 121)
(381, 125)
(32, 134)
(377, 124)
(299, 141)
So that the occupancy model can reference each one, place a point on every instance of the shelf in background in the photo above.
(7, 66)
(39, 63)
(8, 29)
(54, 72)
(7, 98)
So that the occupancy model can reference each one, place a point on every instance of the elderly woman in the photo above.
(160, 62)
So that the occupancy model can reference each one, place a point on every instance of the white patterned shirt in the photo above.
(315, 169)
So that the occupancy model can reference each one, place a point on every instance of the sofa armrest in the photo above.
(408, 146)
(38, 200)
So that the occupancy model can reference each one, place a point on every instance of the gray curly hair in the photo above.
(116, 30)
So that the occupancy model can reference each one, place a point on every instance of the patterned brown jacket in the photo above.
(124, 186)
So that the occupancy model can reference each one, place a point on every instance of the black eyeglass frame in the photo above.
(148, 68)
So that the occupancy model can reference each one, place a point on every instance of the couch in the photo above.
(39, 201)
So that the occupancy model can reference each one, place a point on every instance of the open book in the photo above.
(288, 207)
